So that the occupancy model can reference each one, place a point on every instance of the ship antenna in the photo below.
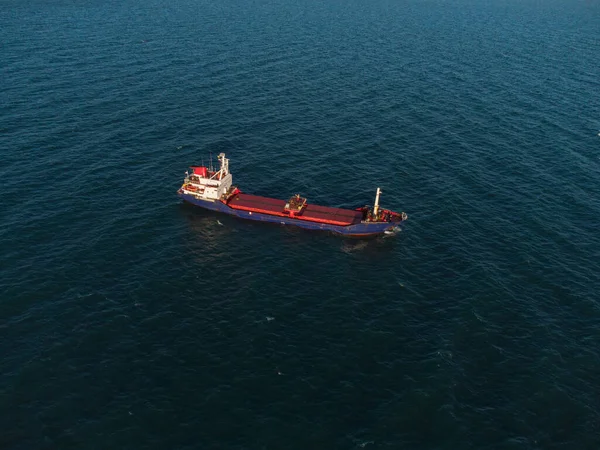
(211, 164)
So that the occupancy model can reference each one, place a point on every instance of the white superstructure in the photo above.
(206, 184)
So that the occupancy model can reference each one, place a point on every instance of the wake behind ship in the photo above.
(214, 190)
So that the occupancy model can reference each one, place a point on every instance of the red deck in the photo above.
(326, 214)
(255, 203)
(312, 213)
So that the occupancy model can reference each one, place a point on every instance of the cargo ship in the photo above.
(213, 189)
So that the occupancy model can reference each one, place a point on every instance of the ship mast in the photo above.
(376, 208)
(224, 164)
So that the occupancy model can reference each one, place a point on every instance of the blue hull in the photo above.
(360, 229)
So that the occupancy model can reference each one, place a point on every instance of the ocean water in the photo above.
(131, 321)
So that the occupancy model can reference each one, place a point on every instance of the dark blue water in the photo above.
(131, 321)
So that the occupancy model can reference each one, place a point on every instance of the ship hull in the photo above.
(361, 229)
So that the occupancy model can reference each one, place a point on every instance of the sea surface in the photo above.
(129, 320)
